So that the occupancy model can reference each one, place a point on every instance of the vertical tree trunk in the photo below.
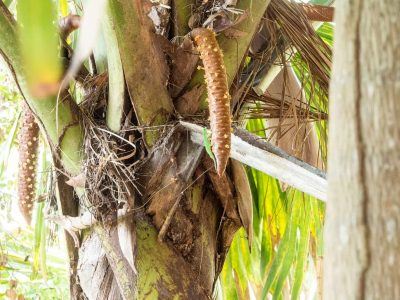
(363, 214)
(185, 262)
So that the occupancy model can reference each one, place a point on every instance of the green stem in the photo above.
(144, 66)
(182, 11)
(116, 80)
(59, 118)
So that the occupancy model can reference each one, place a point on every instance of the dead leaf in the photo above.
(232, 33)
(189, 103)
(160, 15)
(260, 39)
(77, 181)
(11, 294)
(221, 20)
(194, 21)
(244, 197)
(184, 61)
(218, 21)
(223, 187)
(241, 17)
(165, 44)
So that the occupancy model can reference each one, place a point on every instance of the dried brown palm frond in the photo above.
(292, 22)
(108, 169)
(318, 12)
(286, 42)
(268, 107)
(107, 176)
(28, 147)
(287, 38)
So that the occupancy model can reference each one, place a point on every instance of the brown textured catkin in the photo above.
(218, 95)
(28, 147)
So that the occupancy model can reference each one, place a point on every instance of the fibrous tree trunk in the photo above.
(182, 262)
(363, 221)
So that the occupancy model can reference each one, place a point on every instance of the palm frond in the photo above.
(287, 224)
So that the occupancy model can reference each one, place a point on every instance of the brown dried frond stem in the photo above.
(271, 107)
(218, 95)
(107, 177)
(28, 148)
(318, 12)
(297, 30)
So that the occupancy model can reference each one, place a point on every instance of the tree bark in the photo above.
(178, 200)
(362, 230)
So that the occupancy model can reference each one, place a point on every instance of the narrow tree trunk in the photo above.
(363, 213)
(162, 272)
(181, 236)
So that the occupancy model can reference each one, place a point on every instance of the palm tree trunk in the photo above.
(362, 223)
(181, 238)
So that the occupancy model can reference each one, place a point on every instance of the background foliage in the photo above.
(32, 259)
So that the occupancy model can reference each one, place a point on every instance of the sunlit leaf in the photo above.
(63, 5)
(284, 257)
(266, 247)
(8, 2)
(39, 250)
(94, 11)
(228, 281)
(6, 147)
(302, 251)
(39, 45)
(207, 146)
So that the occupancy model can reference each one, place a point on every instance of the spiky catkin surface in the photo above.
(28, 146)
(218, 95)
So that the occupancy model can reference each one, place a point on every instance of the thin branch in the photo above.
(168, 219)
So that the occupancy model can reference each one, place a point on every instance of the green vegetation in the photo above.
(31, 258)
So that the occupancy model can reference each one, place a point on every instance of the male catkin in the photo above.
(28, 147)
(218, 95)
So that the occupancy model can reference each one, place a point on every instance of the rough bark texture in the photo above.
(363, 214)
(182, 231)
(187, 214)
